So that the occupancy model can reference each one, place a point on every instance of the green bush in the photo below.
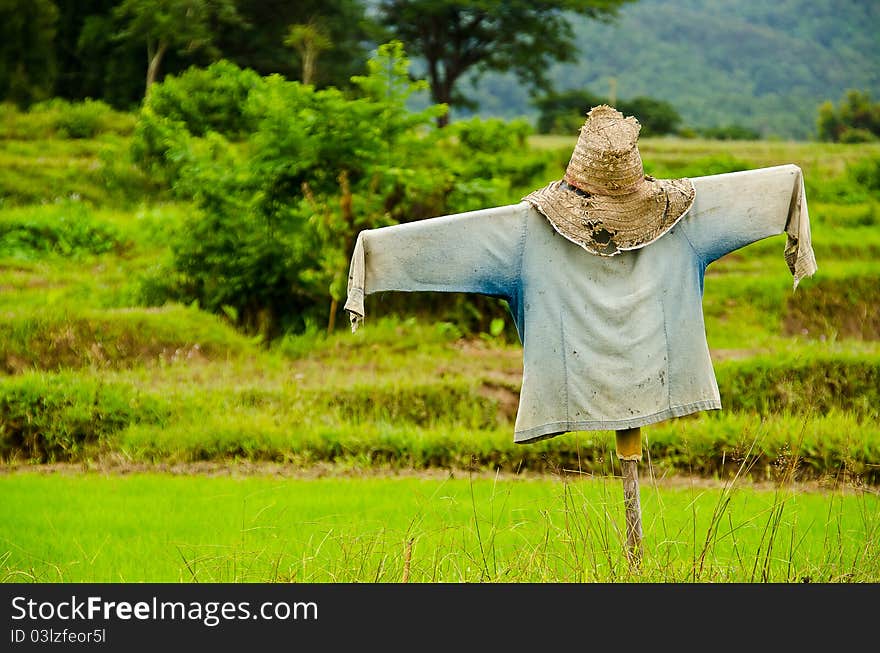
(492, 135)
(710, 165)
(68, 230)
(565, 112)
(835, 309)
(59, 118)
(279, 214)
(155, 142)
(855, 120)
(866, 173)
(206, 99)
(53, 338)
(856, 135)
(48, 418)
(82, 120)
(17, 124)
(730, 133)
(814, 384)
(198, 102)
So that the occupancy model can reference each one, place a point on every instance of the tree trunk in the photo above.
(331, 320)
(441, 90)
(154, 61)
(308, 67)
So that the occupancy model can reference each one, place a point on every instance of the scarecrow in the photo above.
(603, 274)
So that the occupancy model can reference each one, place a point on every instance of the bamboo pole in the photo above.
(629, 452)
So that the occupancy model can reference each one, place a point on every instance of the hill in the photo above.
(766, 66)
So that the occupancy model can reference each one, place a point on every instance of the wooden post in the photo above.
(629, 452)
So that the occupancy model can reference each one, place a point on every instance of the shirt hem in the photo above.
(553, 429)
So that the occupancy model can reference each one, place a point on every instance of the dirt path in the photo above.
(325, 470)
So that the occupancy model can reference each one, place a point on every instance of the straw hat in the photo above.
(606, 203)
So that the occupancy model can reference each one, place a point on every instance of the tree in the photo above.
(456, 37)
(263, 50)
(27, 53)
(308, 40)
(857, 119)
(564, 112)
(186, 25)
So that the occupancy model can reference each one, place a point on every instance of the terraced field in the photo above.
(92, 374)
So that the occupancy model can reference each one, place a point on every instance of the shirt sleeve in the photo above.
(477, 252)
(735, 209)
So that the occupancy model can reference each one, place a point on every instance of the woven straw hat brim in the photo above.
(606, 225)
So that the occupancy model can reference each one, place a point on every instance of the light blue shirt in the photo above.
(608, 342)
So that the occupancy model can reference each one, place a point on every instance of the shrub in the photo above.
(492, 135)
(710, 165)
(155, 139)
(57, 337)
(856, 135)
(855, 120)
(866, 173)
(48, 418)
(198, 102)
(68, 230)
(565, 112)
(279, 213)
(58, 118)
(207, 99)
(730, 133)
(836, 308)
(82, 120)
(657, 117)
(279, 216)
(808, 384)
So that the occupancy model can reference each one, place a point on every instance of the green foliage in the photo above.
(156, 145)
(492, 164)
(866, 173)
(59, 337)
(809, 384)
(730, 133)
(84, 119)
(48, 171)
(564, 112)
(198, 102)
(179, 25)
(27, 50)
(711, 165)
(658, 117)
(492, 136)
(206, 99)
(836, 309)
(279, 213)
(48, 418)
(855, 120)
(473, 37)
(59, 118)
(69, 229)
(261, 44)
(309, 40)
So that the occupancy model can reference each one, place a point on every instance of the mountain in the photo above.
(763, 65)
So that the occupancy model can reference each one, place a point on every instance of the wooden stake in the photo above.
(629, 452)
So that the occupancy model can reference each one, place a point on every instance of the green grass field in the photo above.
(159, 528)
(95, 374)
